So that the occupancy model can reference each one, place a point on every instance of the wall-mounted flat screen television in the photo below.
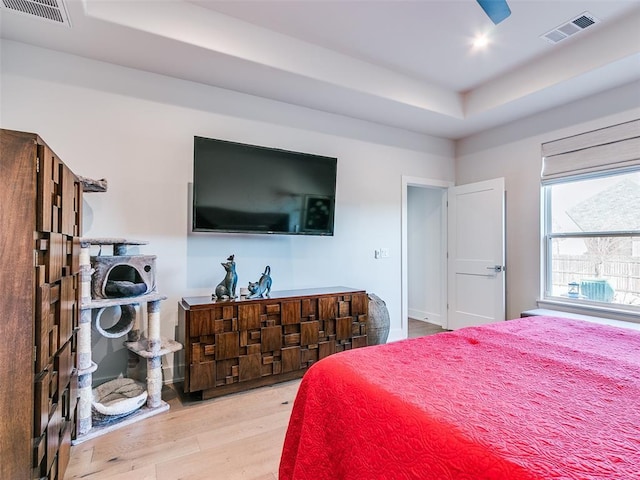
(251, 189)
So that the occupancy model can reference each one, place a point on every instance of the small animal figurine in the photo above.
(226, 289)
(262, 286)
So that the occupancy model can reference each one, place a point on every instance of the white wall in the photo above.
(513, 152)
(136, 130)
(424, 256)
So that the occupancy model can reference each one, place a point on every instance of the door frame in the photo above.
(409, 181)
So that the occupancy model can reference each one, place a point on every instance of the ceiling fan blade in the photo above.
(497, 10)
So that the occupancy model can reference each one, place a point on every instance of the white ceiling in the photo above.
(406, 64)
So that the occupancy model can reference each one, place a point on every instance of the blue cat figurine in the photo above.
(226, 289)
(262, 287)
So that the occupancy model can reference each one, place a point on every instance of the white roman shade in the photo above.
(611, 148)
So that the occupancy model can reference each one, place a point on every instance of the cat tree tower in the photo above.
(126, 281)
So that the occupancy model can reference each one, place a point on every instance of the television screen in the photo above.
(251, 189)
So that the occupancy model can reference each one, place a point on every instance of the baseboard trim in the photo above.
(423, 316)
(171, 375)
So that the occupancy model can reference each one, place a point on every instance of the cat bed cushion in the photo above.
(120, 396)
(123, 288)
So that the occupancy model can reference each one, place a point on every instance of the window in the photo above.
(591, 230)
(591, 219)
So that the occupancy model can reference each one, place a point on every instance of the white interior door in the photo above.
(476, 254)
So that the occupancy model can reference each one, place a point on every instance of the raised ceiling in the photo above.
(406, 64)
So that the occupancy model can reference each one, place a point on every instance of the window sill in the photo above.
(590, 310)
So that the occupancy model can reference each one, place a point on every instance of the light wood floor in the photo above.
(236, 437)
(418, 328)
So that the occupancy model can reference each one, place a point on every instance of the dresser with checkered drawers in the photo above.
(235, 345)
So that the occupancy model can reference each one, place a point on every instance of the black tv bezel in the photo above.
(309, 232)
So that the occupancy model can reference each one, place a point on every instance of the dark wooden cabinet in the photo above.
(40, 226)
(246, 343)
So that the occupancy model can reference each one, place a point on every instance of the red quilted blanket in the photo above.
(534, 398)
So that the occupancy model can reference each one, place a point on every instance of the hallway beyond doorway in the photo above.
(418, 328)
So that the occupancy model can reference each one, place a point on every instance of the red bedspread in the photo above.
(534, 398)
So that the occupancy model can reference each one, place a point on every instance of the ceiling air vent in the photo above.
(573, 26)
(48, 10)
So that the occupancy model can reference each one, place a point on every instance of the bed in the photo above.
(532, 398)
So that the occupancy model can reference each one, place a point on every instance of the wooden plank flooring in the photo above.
(418, 328)
(236, 437)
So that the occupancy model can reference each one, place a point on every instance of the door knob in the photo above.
(496, 268)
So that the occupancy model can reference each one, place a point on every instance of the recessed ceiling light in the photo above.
(480, 41)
